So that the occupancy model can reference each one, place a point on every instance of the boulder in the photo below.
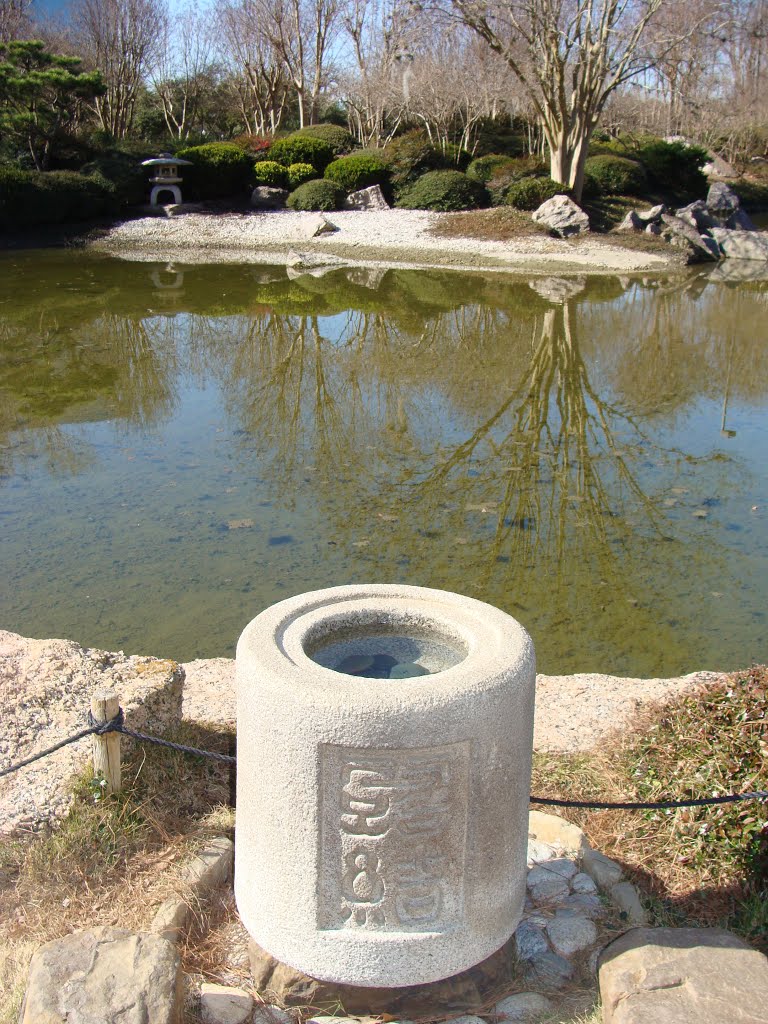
(45, 692)
(742, 245)
(740, 220)
(652, 214)
(722, 201)
(682, 976)
(697, 215)
(717, 167)
(631, 222)
(698, 248)
(179, 209)
(562, 216)
(265, 197)
(366, 199)
(311, 261)
(315, 224)
(105, 976)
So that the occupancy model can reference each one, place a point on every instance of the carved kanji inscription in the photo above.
(393, 834)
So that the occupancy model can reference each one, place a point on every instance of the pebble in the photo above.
(562, 866)
(570, 933)
(539, 852)
(546, 885)
(530, 941)
(587, 903)
(549, 970)
(583, 883)
(526, 1007)
(222, 1005)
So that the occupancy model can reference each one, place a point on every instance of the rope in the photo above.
(116, 724)
(50, 750)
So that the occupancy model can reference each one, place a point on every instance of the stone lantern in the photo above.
(166, 176)
(384, 739)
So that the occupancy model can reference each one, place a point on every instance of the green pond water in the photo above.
(181, 446)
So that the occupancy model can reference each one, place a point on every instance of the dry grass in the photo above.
(500, 224)
(702, 866)
(112, 862)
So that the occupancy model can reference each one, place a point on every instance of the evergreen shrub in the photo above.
(337, 137)
(270, 172)
(483, 168)
(411, 155)
(360, 170)
(608, 175)
(530, 193)
(299, 173)
(319, 194)
(302, 149)
(219, 170)
(443, 191)
(30, 198)
(675, 166)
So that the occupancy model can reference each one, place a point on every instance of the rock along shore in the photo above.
(46, 688)
(363, 238)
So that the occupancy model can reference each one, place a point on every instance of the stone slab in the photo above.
(45, 692)
(105, 976)
(683, 976)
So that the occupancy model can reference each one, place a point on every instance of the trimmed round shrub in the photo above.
(443, 191)
(270, 172)
(674, 167)
(530, 193)
(609, 175)
(219, 169)
(358, 171)
(299, 173)
(486, 167)
(302, 149)
(337, 137)
(320, 194)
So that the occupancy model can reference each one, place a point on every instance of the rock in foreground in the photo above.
(683, 976)
(561, 215)
(105, 976)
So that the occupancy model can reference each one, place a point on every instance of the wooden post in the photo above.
(106, 748)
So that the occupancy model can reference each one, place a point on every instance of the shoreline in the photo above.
(375, 239)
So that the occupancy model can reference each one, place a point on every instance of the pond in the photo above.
(181, 446)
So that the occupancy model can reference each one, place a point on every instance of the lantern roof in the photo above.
(165, 159)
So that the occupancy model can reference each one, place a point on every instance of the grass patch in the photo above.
(698, 866)
(111, 861)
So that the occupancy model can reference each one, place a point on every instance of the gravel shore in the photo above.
(371, 238)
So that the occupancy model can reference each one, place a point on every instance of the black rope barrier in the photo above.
(116, 724)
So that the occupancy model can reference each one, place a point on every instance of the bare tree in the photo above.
(122, 39)
(182, 74)
(259, 75)
(569, 57)
(302, 32)
(14, 19)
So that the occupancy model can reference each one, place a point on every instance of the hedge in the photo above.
(219, 170)
(443, 191)
(320, 194)
(29, 198)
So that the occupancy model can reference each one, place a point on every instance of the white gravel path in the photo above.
(371, 238)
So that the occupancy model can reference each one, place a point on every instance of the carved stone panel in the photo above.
(392, 837)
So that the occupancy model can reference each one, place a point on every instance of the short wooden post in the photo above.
(106, 748)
